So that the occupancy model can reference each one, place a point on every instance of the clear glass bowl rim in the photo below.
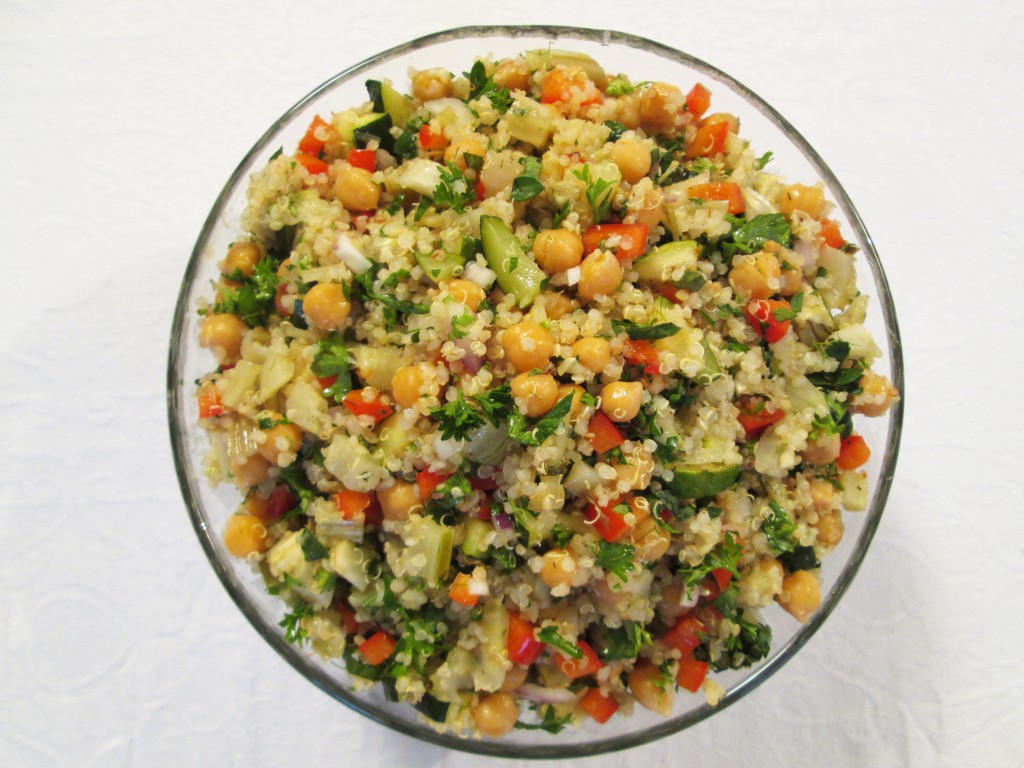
(555, 749)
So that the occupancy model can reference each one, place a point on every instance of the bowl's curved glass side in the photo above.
(209, 507)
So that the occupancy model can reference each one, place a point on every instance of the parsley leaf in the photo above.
(560, 536)
(599, 193)
(764, 159)
(496, 402)
(455, 191)
(623, 642)
(725, 555)
(332, 360)
(527, 184)
(645, 332)
(802, 558)
(560, 215)
(481, 85)
(457, 418)
(364, 290)
(534, 432)
(616, 128)
(751, 235)
(312, 547)
(778, 529)
(295, 476)
(550, 636)
(550, 722)
(291, 623)
(615, 558)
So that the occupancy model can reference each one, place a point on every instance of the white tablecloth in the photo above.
(121, 120)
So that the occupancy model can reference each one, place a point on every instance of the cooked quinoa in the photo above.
(537, 386)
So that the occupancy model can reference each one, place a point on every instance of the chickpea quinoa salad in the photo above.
(537, 385)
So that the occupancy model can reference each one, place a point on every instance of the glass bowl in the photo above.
(641, 59)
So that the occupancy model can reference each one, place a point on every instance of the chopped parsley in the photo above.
(599, 193)
(364, 290)
(560, 536)
(496, 402)
(332, 360)
(550, 722)
(481, 85)
(292, 623)
(312, 547)
(645, 332)
(527, 184)
(561, 213)
(778, 529)
(533, 432)
(623, 642)
(750, 236)
(725, 555)
(616, 128)
(455, 191)
(457, 418)
(550, 636)
(802, 558)
(615, 558)
(764, 159)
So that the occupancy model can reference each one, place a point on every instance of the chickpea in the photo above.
(636, 475)
(593, 353)
(756, 277)
(559, 568)
(600, 275)
(651, 208)
(557, 305)
(466, 145)
(540, 392)
(245, 535)
(496, 713)
(281, 440)
(249, 471)
(241, 256)
(822, 450)
(577, 398)
(876, 396)
(823, 495)
(356, 189)
(514, 677)
(797, 197)
(830, 529)
(430, 84)
(791, 275)
(620, 400)
(633, 158)
(650, 541)
(652, 688)
(528, 345)
(399, 500)
(465, 292)
(407, 384)
(558, 250)
(326, 307)
(222, 334)
(628, 110)
(801, 595)
(722, 117)
(662, 108)
(512, 74)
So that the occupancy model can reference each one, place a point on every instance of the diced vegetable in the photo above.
(609, 521)
(378, 648)
(686, 634)
(309, 144)
(576, 668)
(853, 452)
(517, 271)
(632, 239)
(726, 190)
(209, 401)
(599, 706)
(312, 164)
(831, 234)
(530, 121)
(691, 673)
(362, 158)
(375, 408)
(769, 318)
(460, 591)
(440, 266)
(698, 100)
(643, 354)
(668, 262)
(757, 422)
(603, 433)
(523, 647)
(428, 481)
(697, 481)
(237, 382)
(708, 141)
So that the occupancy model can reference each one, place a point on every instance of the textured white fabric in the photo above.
(120, 121)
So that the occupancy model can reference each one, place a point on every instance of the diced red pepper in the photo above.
(326, 382)
(478, 483)
(598, 706)
(459, 591)
(575, 668)
(523, 647)
(756, 423)
(376, 408)
(685, 634)
(671, 293)
(353, 504)
(209, 401)
(760, 314)
(691, 673)
(362, 158)
(603, 433)
(486, 510)
(428, 481)
(708, 141)
(642, 353)
(632, 239)
(349, 623)
(722, 577)
(853, 452)
(831, 234)
(698, 100)
(720, 190)
(431, 141)
(481, 191)
(611, 525)
(310, 144)
(378, 648)
(311, 163)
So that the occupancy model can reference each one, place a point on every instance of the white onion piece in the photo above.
(809, 253)
(572, 276)
(544, 695)
(445, 449)
(477, 273)
(350, 255)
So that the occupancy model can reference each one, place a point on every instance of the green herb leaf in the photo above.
(560, 215)
(725, 555)
(615, 558)
(496, 403)
(616, 128)
(457, 418)
(802, 558)
(455, 191)
(293, 631)
(333, 360)
(534, 432)
(599, 193)
(778, 529)
(645, 332)
(481, 85)
(764, 159)
(550, 722)
(561, 536)
(550, 636)
(312, 547)
(623, 642)
(749, 236)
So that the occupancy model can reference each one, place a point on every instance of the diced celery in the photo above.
(331, 524)
(489, 444)
(306, 407)
(518, 273)
(376, 365)
(666, 260)
(436, 540)
(529, 121)
(349, 561)
(474, 544)
(394, 438)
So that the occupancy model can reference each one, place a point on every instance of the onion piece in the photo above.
(350, 255)
(480, 275)
(544, 695)
(572, 275)
(445, 449)
(503, 521)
